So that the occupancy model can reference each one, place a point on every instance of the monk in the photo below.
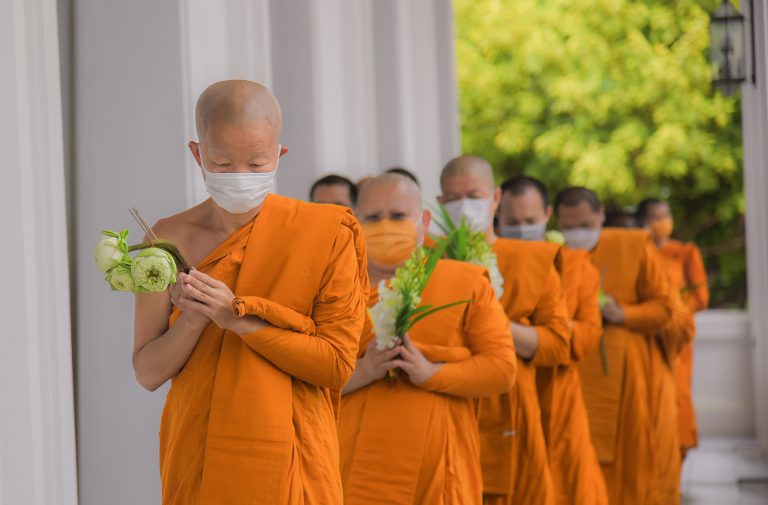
(259, 338)
(513, 448)
(334, 189)
(622, 402)
(524, 213)
(685, 268)
(416, 442)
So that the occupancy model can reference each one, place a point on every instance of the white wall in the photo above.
(37, 443)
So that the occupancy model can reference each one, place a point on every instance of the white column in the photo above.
(755, 128)
(219, 40)
(322, 57)
(417, 106)
(364, 85)
(37, 433)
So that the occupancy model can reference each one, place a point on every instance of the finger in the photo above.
(407, 353)
(403, 365)
(386, 355)
(198, 284)
(195, 293)
(204, 278)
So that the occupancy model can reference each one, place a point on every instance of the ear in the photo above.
(283, 150)
(601, 216)
(426, 219)
(549, 212)
(194, 147)
(495, 200)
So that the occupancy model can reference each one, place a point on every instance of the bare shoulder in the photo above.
(183, 229)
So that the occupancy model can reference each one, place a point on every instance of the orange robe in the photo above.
(621, 404)
(252, 418)
(575, 470)
(688, 276)
(405, 444)
(513, 449)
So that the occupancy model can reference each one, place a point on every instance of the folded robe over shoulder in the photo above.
(576, 472)
(513, 449)
(252, 418)
(620, 404)
(419, 445)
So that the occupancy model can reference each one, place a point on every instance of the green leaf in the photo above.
(436, 309)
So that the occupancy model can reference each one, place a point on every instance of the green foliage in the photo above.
(614, 95)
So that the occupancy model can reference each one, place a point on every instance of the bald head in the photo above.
(392, 186)
(237, 103)
(238, 124)
(468, 165)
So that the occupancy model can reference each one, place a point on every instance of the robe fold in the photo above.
(687, 275)
(621, 404)
(513, 449)
(576, 472)
(407, 444)
(251, 419)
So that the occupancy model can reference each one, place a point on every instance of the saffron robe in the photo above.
(576, 472)
(687, 275)
(407, 444)
(621, 404)
(252, 418)
(513, 451)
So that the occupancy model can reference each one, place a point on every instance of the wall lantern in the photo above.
(726, 51)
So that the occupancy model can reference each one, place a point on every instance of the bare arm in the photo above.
(160, 351)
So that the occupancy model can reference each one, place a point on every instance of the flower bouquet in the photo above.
(463, 244)
(153, 269)
(398, 307)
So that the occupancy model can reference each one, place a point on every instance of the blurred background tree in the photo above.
(614, 95)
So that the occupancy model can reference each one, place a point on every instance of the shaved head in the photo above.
(471, 165)
(238, 126)
(403, 189)
(237, 103)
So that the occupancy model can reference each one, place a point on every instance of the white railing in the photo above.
(722, 374)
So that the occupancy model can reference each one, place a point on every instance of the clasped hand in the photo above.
(612, 312)
(204, 299)
(375, 363)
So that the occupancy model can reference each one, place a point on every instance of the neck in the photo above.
(490, 235)
(228, 222)
(376, 275)
(660, 242)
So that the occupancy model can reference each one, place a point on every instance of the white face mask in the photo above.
(240, 192)
(476, 211)
(582, 238)
(534, 231)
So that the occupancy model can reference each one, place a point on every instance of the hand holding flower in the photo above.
(213, 299)
(375, 363)
(612, 311)
(189, 307)
(414, 363)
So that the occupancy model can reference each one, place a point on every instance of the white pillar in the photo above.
(37, 433)
(754, 109)
(219, 40)
(364, 85)
(417, 105)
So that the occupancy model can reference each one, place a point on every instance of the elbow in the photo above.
(151, 384)
(345, 369)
